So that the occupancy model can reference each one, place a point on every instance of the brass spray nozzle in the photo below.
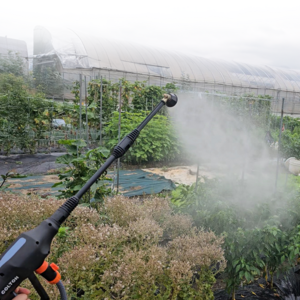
(166, 97)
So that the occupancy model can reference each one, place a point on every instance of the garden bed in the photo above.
(116, 252)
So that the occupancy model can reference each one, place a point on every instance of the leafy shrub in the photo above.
(100, 259)
(209, 205)
(177, 225)
(17, 128)
(26, 117)
(135, 96)
(5, 177)
(290, 144)
(156, 142)
(288, 122)
(260, 228)
(290, 136)
(81, 167)
(12, 63)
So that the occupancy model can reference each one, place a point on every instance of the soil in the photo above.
(184, 174)
(29, 164)
(219, 285)
(286, 287)
(254, 291)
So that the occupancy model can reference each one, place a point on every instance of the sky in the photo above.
(264, 32)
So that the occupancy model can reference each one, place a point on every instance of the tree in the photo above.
(12, 63)
(47, 80)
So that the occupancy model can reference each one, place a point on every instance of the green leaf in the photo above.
(248, 276)
(57, 184)
(79, 143)
(77, 187)
(66, 142)
(64, 159)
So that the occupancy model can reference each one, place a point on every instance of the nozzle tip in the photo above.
(172, 100)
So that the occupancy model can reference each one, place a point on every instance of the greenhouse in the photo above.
(76, 53)
(8, 45)
(16, 46)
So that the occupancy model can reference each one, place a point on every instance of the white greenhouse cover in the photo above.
(78, 50)
(16, 46)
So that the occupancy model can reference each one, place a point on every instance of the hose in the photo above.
(62, 291)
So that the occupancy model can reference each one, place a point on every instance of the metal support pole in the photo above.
(197, 176)
(86, 115)
(80, 100)
(28, 115)
(119, 136)
(279, 142)
(63, 80)
(51, 129)
(101, 91)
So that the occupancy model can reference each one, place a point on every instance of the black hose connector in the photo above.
(65, 210)
(126, 143)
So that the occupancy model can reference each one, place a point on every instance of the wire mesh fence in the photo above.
(42, 126)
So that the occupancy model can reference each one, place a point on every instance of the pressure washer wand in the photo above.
(27, 253)
(170, 100)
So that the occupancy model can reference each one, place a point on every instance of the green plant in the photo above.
(279, 248)
(12, 63)
(289, 123)
(290, 144)
(260, 251)
(261, 228)
(207, 206)
(243, 260)
(81, 167)
(122, 258)
(130, 262)
(26, 117)
(47, 80)
(157, 141)
(4, 178)
(183, 196)
(23, 117)
(61, 243)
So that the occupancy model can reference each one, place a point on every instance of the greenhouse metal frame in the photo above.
(75, 53)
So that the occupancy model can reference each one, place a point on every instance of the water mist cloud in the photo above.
(212, 133)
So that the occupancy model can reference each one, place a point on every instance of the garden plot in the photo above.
(132, 183)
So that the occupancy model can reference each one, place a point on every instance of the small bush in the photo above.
(253, 220)
(157, 141)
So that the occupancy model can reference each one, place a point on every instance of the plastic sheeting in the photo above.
(16, 46)
(132, 183)
(138, 182)
(78, 50)
(63, 43)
